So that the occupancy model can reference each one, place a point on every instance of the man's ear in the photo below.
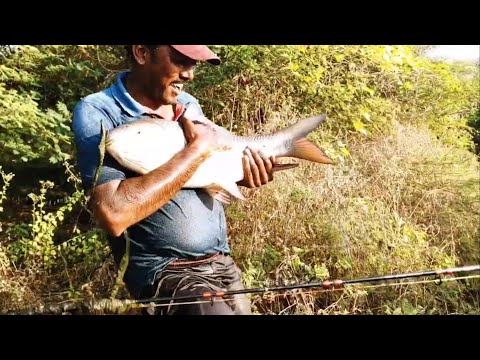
(140, 53)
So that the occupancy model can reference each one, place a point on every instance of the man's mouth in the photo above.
(178, 87)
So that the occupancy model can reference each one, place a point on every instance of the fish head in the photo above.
(123, 137)
(144, 144)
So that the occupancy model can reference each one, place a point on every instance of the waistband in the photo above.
(197, 261)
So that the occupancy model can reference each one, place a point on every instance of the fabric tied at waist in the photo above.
(197, 261)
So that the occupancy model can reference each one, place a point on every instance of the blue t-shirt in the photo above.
(191, 224)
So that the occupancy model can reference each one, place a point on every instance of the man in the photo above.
(178, 245)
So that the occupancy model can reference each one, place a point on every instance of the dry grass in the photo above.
(402, 203)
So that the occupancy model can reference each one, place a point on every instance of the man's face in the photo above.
(165, 73)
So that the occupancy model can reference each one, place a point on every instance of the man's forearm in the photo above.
(137, 198)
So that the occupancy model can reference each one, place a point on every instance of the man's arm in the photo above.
(120, 203)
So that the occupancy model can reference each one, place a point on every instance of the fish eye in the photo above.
(138, 132)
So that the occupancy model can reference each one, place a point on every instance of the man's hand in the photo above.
(199, 134)
(257, 169)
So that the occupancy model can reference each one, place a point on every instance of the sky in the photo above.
(455, 52)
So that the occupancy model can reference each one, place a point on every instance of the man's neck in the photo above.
(164, 111)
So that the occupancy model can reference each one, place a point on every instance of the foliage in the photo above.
(37, 97)
(362, 89)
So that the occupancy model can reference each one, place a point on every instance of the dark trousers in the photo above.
(219, 273)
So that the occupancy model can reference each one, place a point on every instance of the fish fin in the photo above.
(280, 167)
(233, 190)
(220, 194)
(134, 166)
(225, 192)
(304, 149)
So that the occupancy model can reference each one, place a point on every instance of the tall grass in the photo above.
(400, 203)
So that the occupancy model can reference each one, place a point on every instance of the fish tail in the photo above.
(303, 127)
(304, 149)
(301, 147)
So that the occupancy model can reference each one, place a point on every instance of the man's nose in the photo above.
(187, 74)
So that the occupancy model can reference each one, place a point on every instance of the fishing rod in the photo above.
(117, 305)
(326, 285)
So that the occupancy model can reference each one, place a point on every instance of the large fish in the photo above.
(144, 145)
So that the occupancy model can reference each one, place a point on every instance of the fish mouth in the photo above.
(108, 142)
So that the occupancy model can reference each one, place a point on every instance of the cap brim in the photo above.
(198, 52)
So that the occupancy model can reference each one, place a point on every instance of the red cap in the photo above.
(198, 52)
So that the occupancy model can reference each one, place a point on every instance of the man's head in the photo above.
(162, 70)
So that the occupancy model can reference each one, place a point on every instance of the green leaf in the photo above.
(297, 250)
(367, 89)
(366, 116)
(360, 127)
(53, 159)
(294, 67)
(345, 152)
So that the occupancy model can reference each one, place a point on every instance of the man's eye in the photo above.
(183, 62)
(187, 63)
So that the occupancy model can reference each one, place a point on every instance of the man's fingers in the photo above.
(247, 173)
(253, 168)
(273, 159)
(269, 164)
(264, 166)
(188, 128)
(257, 168)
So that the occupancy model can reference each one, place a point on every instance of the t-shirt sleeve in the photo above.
(191, 105)
(87, 119)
